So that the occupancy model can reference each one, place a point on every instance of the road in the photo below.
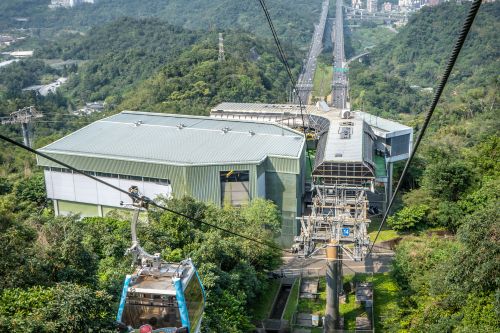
(305, 82)
(340, 82)
(378, 262)
(357, 57)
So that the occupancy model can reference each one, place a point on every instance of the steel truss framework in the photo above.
(24, 117)
(339, 214)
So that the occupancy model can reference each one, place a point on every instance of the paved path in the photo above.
(378, 262)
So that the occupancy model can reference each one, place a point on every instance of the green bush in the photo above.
(409, 218)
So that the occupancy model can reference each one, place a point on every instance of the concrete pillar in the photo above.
(56, 207)
(332, 288)
(388, 186)
(26, 135)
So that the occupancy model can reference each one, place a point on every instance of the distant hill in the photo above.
(422, 47)
(444, 284)
(293, 19)
(118, 54)
(196, 80)
(148, 64)
(391, 81)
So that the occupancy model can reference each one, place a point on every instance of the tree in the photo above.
(62, 308)
(31, 190)
(475, 269)
(409, 218)
(447, 179)
(5, 186)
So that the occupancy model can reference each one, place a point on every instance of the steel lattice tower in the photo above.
(222, 57)
(24, 117)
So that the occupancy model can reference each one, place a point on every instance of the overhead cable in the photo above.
(283, 58)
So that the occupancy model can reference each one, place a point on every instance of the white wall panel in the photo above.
(62, 186)
(48, 183)
(151, 190)
(78, 188)
(106, 195)
(85, 189)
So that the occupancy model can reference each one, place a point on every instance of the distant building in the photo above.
(224, 162)
(68, 3)
(434, 2)
(6, 40)
(356, 4)
(404, 4)
(19, 54)
(91, 108)
(371, 6)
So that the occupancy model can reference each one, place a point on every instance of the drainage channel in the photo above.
(275, 323)
(279, 305)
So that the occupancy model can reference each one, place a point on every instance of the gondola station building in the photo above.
(219, 161)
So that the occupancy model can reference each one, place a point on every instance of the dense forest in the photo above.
(412, 60)
(447, 272)
(293, 19)
(65, 274)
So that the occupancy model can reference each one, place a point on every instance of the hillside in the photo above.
(445, 271)
(293, 19)
(142, 64)
(146, 64)
(390, 81)
(196, 81)
(118, 55)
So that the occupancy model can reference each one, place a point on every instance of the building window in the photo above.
(235, 187)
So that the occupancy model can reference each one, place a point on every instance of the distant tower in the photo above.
(222, 57)
(23, 117)
(371, 5)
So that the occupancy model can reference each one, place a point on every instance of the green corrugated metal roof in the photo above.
(179, 140)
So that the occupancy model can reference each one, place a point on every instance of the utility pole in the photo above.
(222, 57)
(24, 117)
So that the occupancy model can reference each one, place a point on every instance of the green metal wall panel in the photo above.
(282, 164)
(68, 207)
(108, 209)
(282, 189)
(203, 182)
